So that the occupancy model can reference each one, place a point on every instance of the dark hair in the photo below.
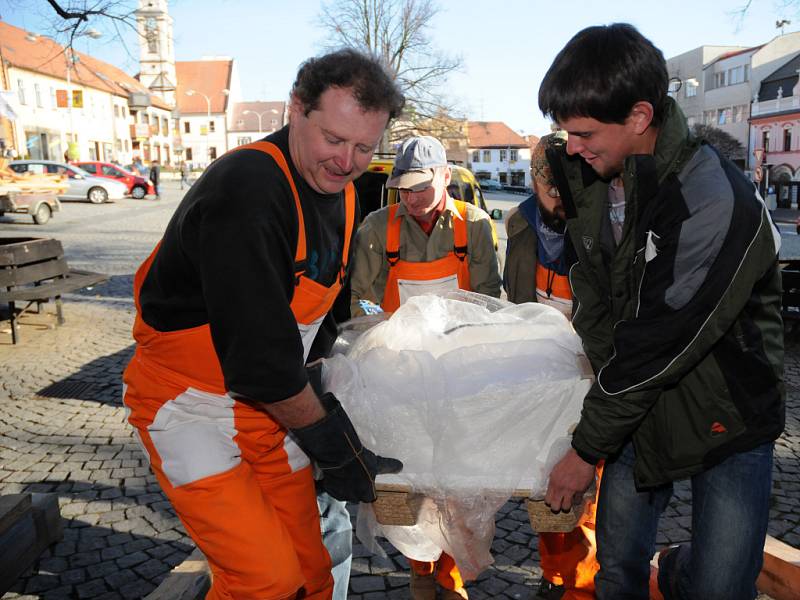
(602, 72)
(372, 85)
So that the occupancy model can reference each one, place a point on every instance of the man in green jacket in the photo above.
(677, 300)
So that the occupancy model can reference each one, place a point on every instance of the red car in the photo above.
(138, 187)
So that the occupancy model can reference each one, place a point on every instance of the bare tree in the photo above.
(398, 32)
(727, 145)
(72, 19)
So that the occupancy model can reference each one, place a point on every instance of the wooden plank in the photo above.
(12, 507)
(24, 250)
(780, 575)
(19, 550)
(30, 524)
(190, 580)
(75, 280)
(31, 273)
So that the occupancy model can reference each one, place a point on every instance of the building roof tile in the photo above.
(208, 77)
(493, 134)
(44, 55)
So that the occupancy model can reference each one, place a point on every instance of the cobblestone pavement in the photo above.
(62, 431)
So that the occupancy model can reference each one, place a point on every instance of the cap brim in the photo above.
(409, 180)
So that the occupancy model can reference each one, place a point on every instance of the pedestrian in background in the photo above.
(155, 177)
(185, 172)
(679, 309)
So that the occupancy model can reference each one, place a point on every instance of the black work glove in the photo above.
(348, 469)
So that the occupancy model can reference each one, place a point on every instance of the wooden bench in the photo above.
(34, 270)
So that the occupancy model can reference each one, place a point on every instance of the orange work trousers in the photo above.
(447, 574)
(252, 513)
(570, 559)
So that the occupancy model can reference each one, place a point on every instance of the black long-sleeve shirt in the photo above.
(227, 259)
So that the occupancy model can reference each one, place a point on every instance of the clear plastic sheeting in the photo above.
(476, 396)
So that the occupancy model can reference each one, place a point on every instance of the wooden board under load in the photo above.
(398, 505)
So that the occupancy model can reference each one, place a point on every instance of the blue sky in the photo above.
(506, 45)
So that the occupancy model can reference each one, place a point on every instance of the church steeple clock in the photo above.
(156, 51)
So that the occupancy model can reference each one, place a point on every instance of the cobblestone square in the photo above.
(121, 536)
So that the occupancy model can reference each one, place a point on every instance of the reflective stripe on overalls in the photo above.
(553, 289)
(407, 279)
(242, 488)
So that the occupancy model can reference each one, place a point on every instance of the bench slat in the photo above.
(75, 280)
(47, 269)
(21, 251)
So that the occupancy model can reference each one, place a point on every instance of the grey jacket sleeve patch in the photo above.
(709, 199)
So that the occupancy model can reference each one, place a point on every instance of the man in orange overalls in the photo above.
(428, 242)
(229, 305)
(537, 259)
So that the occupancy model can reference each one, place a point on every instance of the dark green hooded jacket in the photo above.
(681, 320)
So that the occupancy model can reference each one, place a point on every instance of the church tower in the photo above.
(156, 51)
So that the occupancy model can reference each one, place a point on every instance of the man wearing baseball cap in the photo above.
(427, 242)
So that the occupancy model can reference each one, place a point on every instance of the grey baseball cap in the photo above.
(415, 162)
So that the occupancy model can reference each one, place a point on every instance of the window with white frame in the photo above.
(787, 139)
(243, 140)
(502, 156)
(487, 156)
(37, 94)
(53, 101)
(21, 91)
(212, 126)
(476, 156)
(691, 88)
(736, 75)
(514, 154)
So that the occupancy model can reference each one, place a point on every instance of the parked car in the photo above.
(81, 185)
(39, 206)
(491, 184)
(138, 187)
(372, 192)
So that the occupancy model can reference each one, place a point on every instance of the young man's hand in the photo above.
(569, 479)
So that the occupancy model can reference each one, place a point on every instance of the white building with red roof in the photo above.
(253, 121)
(63, 97)
(206, 93)
(495, 151)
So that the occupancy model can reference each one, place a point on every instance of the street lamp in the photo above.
(71, 59)
(259, 115)
(225, 92)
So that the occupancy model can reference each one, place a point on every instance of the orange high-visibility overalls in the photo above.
(242, 488)
(407, 279)
(567, 559)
